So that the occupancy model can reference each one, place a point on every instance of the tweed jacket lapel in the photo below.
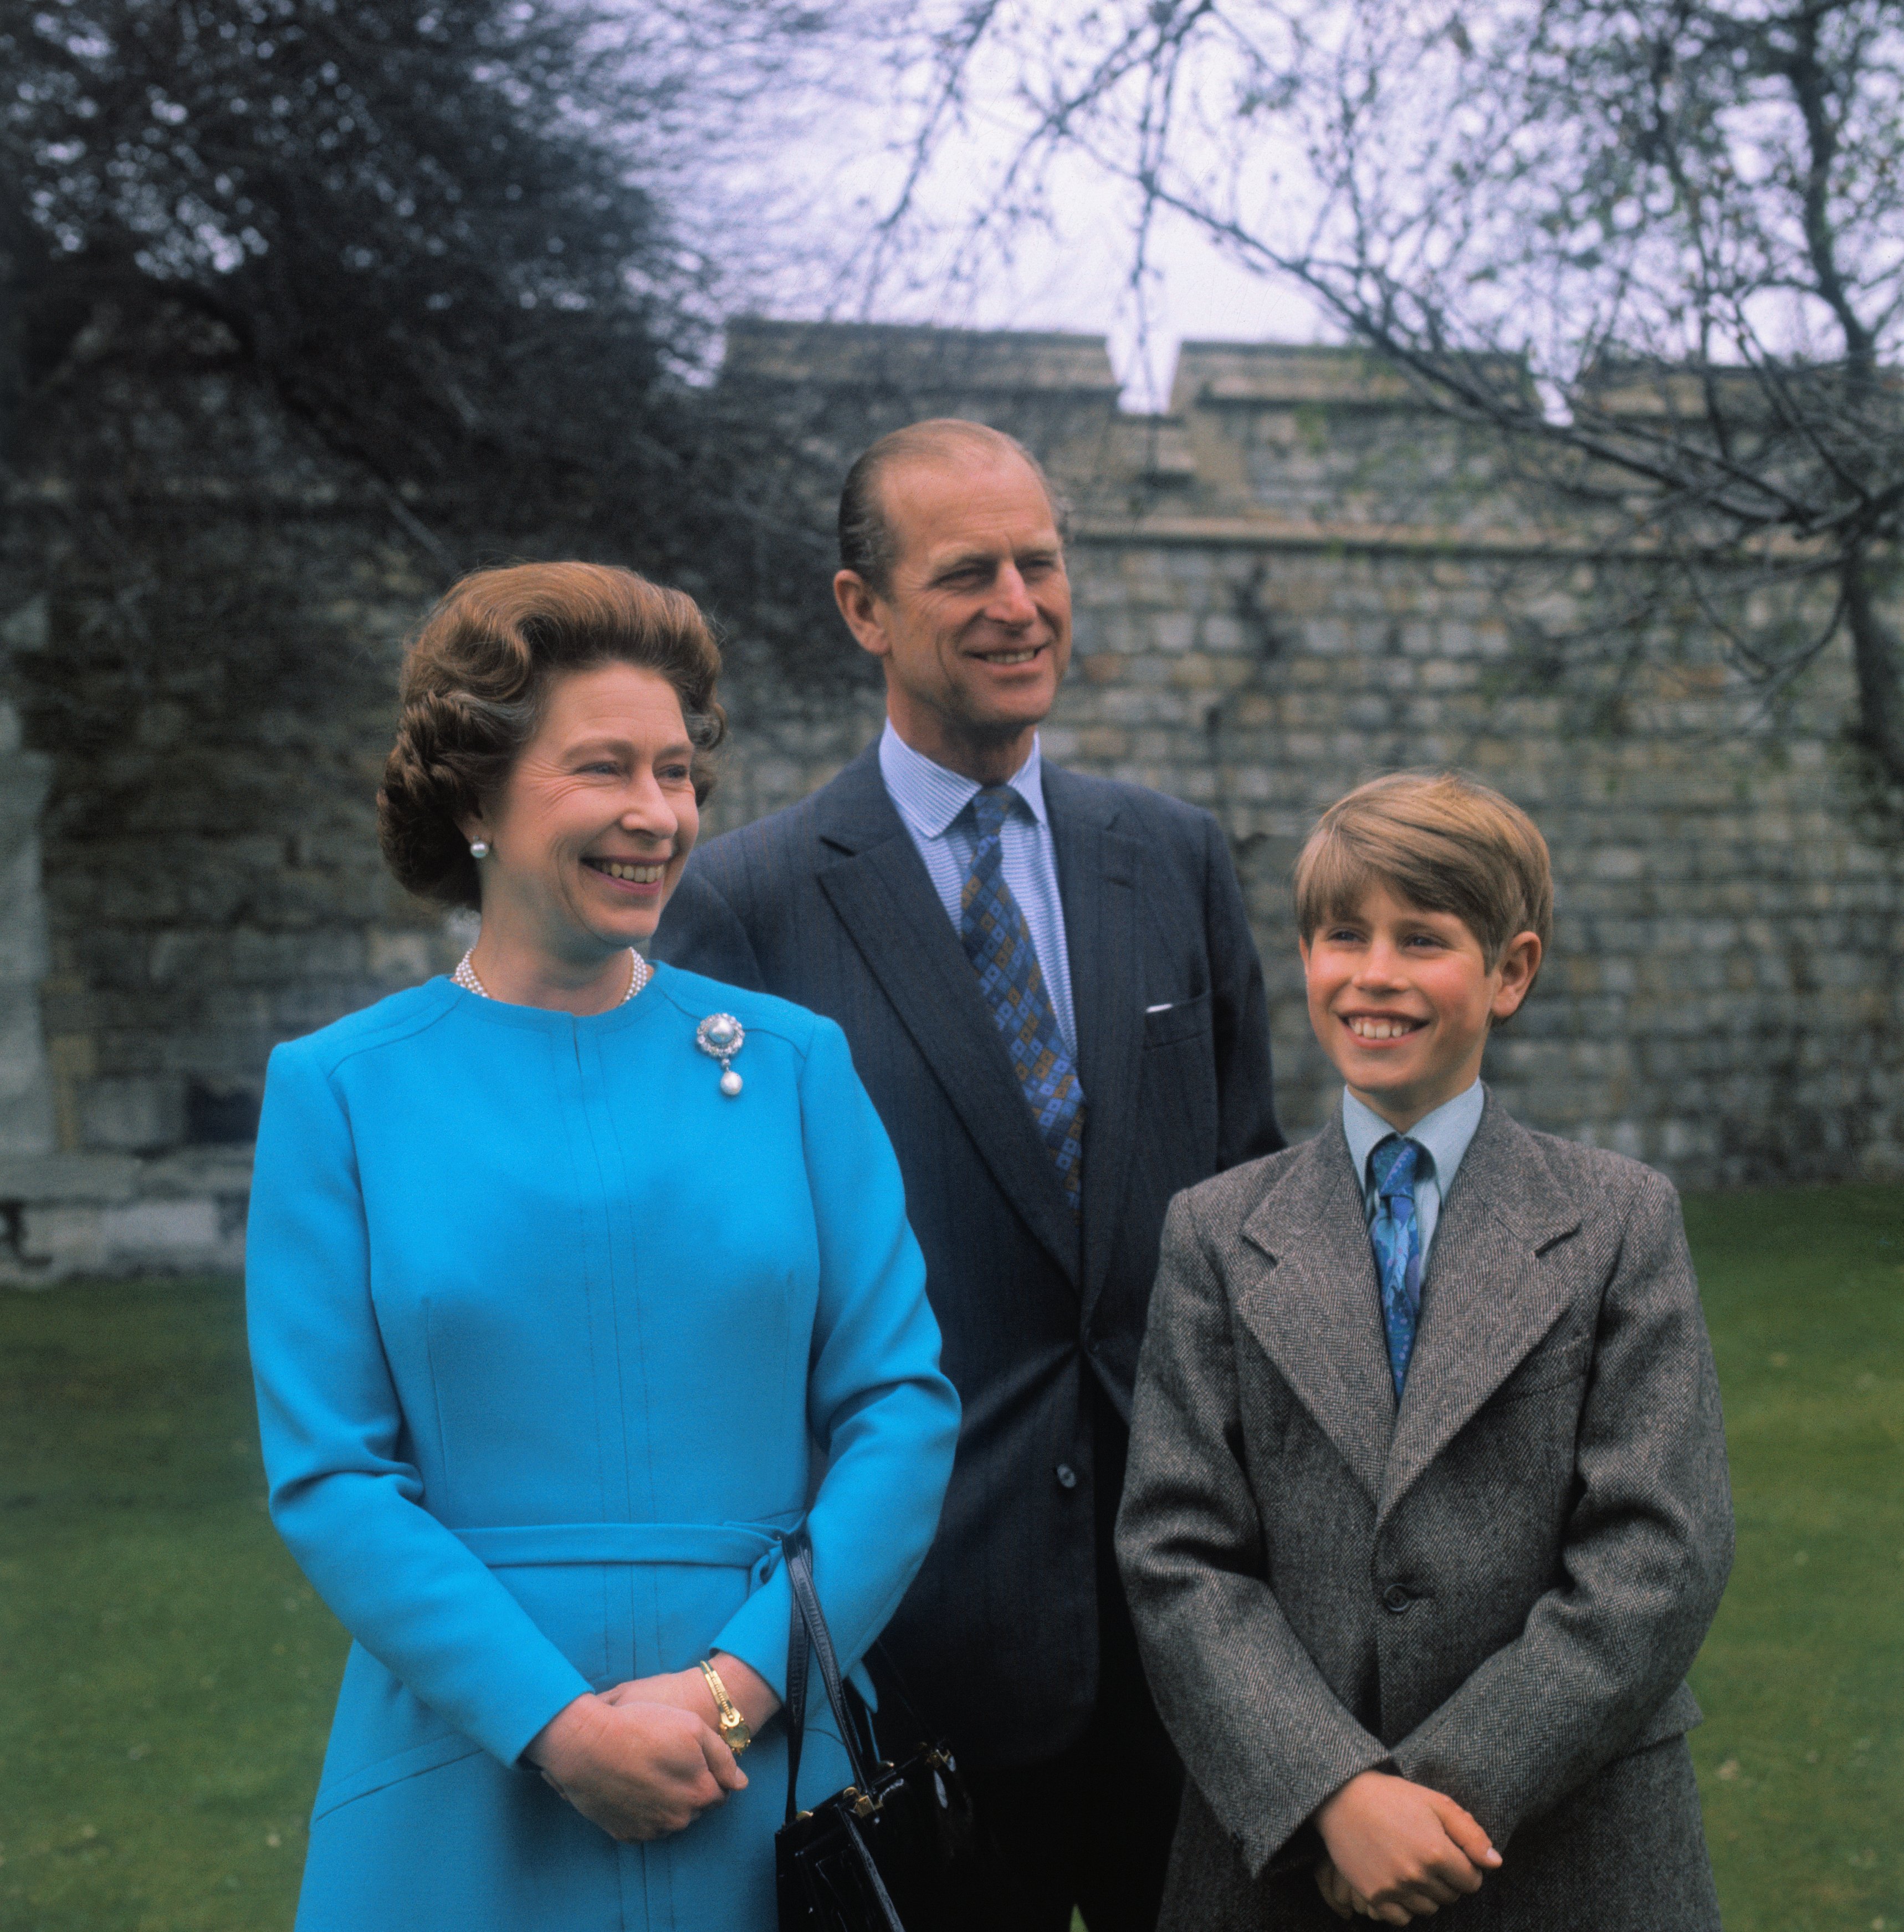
(1487, 1298)
(878, 887)
(1097, 874)
(1315, 1307)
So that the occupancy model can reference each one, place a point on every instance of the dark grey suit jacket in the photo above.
(1496, 1591)
(830, 903)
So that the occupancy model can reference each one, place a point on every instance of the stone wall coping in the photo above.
(110, 1178)
(187, 496)
(919, 356)
(1252, 373)
(1268, 531)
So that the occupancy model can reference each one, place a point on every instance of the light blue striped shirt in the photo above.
(933, 803)
(1443, 1135)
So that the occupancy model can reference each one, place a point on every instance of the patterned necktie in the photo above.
(1396, 1236)
(998, 943)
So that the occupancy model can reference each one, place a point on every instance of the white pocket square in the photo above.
(1165, 1008)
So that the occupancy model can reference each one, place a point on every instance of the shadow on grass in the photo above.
(167, 1676)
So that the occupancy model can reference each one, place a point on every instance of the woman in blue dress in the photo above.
(566, 1276)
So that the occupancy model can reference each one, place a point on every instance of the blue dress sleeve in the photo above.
(342, 1496)
(886, 1418)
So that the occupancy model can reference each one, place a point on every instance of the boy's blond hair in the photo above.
(1438, 840)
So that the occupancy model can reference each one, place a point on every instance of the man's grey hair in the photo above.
(867, 546)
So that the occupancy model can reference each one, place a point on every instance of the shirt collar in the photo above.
(1445, 1133)
(929, 797)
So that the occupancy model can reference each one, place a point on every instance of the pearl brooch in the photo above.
(720, 1037)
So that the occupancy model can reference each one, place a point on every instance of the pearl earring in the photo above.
(479, 848)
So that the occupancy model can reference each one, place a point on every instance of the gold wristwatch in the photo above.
(733, 1727)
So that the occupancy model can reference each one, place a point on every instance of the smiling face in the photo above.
(974, 632)
(588, 836)
(1402, 1000)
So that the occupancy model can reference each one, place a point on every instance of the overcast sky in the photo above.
(797, 213)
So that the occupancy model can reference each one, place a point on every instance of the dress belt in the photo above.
(727, 1546)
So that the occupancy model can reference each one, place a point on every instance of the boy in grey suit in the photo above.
(1427, 1513)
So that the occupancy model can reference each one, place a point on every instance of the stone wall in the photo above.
(203, 677)
(1299, 577)
(1295, 578)
(1722, 997)
(26, 1111)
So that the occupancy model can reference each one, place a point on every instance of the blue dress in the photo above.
(546, 1330)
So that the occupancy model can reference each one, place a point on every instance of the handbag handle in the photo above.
(807, 1631)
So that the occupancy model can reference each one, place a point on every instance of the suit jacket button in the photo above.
(1396, 1599)
(1067, 1476)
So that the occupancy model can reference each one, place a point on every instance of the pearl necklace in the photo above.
(640, 973)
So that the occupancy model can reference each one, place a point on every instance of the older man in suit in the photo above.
(1053, 996)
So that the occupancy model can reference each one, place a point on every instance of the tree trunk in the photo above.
(1879, 654)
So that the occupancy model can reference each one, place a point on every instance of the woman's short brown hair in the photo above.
(475, 678)
(1437, 840)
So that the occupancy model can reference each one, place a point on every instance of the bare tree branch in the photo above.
(1657, 245)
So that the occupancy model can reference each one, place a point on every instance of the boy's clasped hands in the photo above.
(1397, 1849)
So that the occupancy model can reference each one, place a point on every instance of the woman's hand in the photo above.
(1398, 1849)
(639, 1768)
(687, 1691)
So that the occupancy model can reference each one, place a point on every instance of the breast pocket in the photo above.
(1176, 1098)
(1559, 1361)
(1171, 1021)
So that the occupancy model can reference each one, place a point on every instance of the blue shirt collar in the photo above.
(928, 797)
(1445, 1133)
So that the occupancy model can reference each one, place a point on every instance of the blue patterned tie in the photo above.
(1396, 1235)
(998, 944)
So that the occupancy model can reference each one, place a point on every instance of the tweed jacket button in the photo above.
(1396, 1599)
(1066, 1475)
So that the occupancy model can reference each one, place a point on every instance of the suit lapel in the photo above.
(1486, 1299)
(1316, 1310)
(1099, 870)
(879, 887)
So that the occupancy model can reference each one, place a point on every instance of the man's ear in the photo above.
(1520, 963)
(864, 612)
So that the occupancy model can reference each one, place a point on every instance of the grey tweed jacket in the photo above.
(1496, 1590)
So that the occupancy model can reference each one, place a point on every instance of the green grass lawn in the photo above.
(1801, 1757)
(166, 1676)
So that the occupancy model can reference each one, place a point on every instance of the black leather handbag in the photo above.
(898, 1850)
